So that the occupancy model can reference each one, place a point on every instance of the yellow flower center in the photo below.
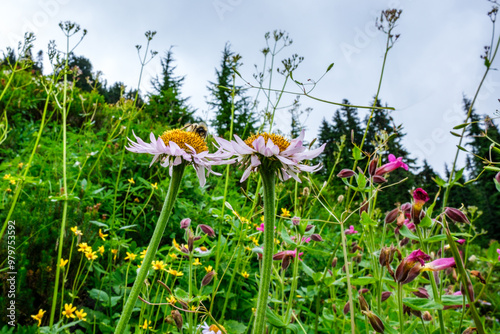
(277, 140)
(216, 328)
(181, 138)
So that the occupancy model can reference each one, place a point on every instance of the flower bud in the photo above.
(427, 316)
(345, 173)
(363, 305)
(379, 179)
(306, 191)
(334, 262)
(364, 207)
(386, 295)
(296, 221)
(177, 319)
(285, 262)
(207, 230)
(373, 166)
(470, 330)
(497, 177)
(421, 293)
(456, 215)
(406, 208)
(208, 278)
(347, 308)
(392, 216)
(185, 223)
(375, 321)
(404, 242)
(316, 237)
(309, 227)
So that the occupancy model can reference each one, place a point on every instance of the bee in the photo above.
(200, 129)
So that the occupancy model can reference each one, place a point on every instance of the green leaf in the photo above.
(492, 252)
(361, 181)
(436, 238)
(329, 67)
(411, 328)
(366, 220)
(286, 237)
(462, 149)
(234, 327)
(273, 319)
(439, 181)
(307, 269)
(363, 280)
(451, 300)
(356, 153)
(127, 227)
(426, 221)
(456, 134)
(422, 304)
(405, 232)
(95, 222)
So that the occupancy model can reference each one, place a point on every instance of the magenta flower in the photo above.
(498, 251)
(439, 264)
(274, 151)
(175, 147)
(391, 165)
(420, 196)
(410, 267)
(283, 254)
(460, 241)
(351, 230)
(306, 240)
(261, 227)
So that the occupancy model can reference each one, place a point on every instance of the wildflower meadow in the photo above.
(124, 211)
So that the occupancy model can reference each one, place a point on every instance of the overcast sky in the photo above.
(435, 61)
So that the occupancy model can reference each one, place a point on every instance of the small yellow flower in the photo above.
(248, 248)
(158, 265)
(81, 315)
(102, 235)
(115, 252)
(147, 325)
(12, 181)
(20, 165)
(136, 200)
(6, 176)
(83, 247)
(130, 256)
(76, 231)
(276, 241)
(208, 269)
(261, 218)
(285, 212)
(68, 310)
(8, 190)
(39, 316)
(171, 300)
(193, 308)
(131, 180)
(143, 253)
(176, 245)
(254, 310)
(63, 263)
(173, 255)
(101, 250)
(197, 262)
(175, 273)
(245, 274)
(91, 256)
(155, 185)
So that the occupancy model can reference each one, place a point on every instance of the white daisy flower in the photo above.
(272, 151)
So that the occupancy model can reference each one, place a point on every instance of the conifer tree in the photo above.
(166, 102)
(220, 100)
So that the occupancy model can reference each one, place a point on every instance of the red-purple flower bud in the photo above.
(404, 242)
(208, 278)
(347, 308)
(345, 173)
(309, 227)
(334, 262)
(456, 215)
(406, 208)
(421, 293)
(410, 267)
(286, 262)
(386, 295)
(364, 290)
(392, 216)
(373, 166)
(316, 237)
(375, 321)
(185, 223)
(377, 179)
(296, 221)
(497, 177)
(177, 319)
(426, 316)
(364, 207)
(207, 230)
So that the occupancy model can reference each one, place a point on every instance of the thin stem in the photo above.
(268, 182)
(400, 306)
(175, 182)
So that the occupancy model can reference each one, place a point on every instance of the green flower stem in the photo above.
(295, 278)
(348, 276)
(268, 185)
(175, 182)
(463, 277)
(400, 306)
